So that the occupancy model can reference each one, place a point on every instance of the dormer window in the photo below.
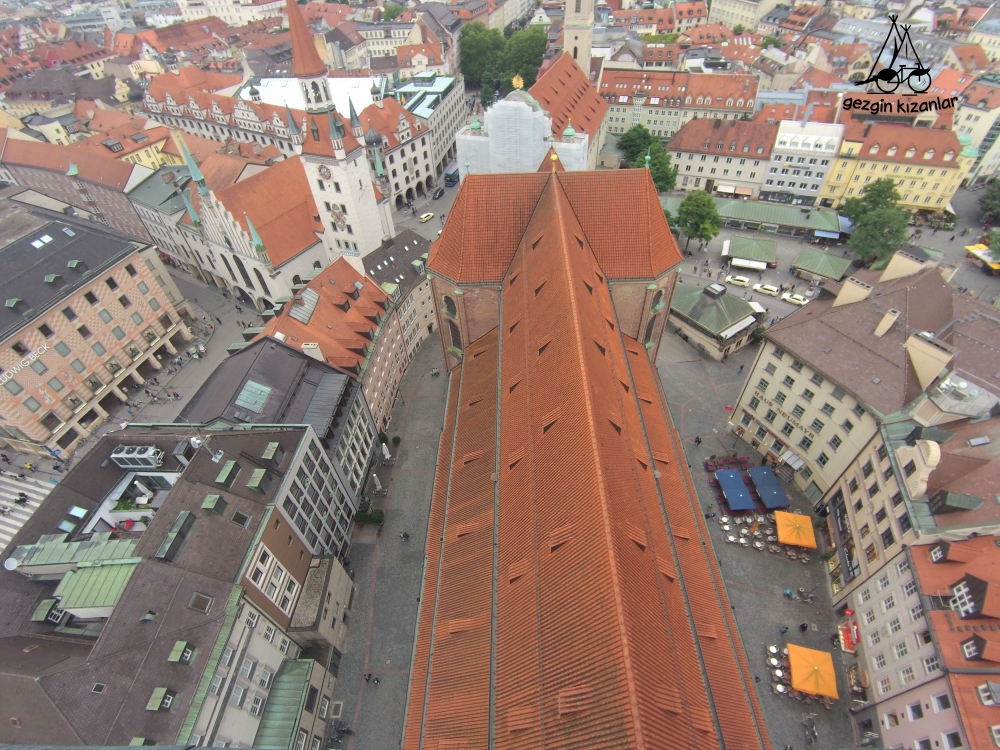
(708, 144)
(873, 149)
(929, 153)
(911, 152)
(961, 600)
(892, 151)
(739, 102)
(937, 554)
(970, 650)
(949, 156)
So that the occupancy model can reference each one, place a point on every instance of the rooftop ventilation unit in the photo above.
(137, 457)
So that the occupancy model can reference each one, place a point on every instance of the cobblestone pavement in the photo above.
(388, 572)
(698, 390)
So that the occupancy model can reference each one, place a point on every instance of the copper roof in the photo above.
(560, 478)
(491, 213)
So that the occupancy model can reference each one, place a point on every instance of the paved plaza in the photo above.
(698, 390)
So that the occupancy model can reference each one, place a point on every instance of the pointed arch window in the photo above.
(456, 335)
(450, 309)
(648, 335)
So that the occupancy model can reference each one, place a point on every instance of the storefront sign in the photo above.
(28, 359)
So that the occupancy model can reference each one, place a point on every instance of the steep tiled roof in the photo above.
(406, 53)
(611, 626)
(950, 83)
(130, 137)
(343, 335)
(969, 469)
(672, 89)
(708, 33)
(305, 58)
(971, 57)
(481, 232)
(188, 79)
(384, 116)
(105, 170)
(566, 93)
(982, 95)
(280, 205)
(930, 147)
(737, 137)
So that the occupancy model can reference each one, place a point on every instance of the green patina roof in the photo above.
(42, 610)
(53, 549)
(178, 651)
(156, 699)
(95, 584)
(752, 248)
(768, 213)
(714, 315)
(280, 721)
(822, 264)
(390, 288)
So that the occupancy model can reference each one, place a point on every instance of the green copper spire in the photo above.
(379, 169)
(196, 174)
(355, 122)
(195, 218)
(293, 129)
(648, 157)
(258, 243)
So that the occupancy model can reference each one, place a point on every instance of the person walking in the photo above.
(375, 680)
(803, 627)
(30, 467)
(368, 677)
(784, 629)
(218, 319)
(3, 457)
(741, 369)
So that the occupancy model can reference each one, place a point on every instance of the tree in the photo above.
(770, 41)
(697, 217)
(634, 142)
(480, 48)
(739, 29)
(389, 12)
(508, 31)
(488, 91)
(522, 55)
(876, 195)
(995, 245)
(989, 201)
(878, 233)
(664, 176)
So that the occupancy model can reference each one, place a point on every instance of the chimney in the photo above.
(886, 323)
(808, 115)
(852, 290)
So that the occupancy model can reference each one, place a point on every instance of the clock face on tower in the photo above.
(324, 172)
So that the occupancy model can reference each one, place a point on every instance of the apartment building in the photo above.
(386, 38)
(400, 268)
(943, 691)
(440, 102)
(665, 101)
(399, 147)
(238, 13)
(271, 382)
(746, 13)
(89, 312)
(723, 157)
(802, 155)
(928, 165)
(817, 392)
(978, 117)
(237, 618)
(347, 320)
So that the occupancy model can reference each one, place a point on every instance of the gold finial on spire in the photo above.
(517, 82)
(554, 159)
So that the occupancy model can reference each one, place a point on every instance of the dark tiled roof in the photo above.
(396, 260)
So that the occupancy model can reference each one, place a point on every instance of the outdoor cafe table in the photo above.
(767, 487)
(735, 491)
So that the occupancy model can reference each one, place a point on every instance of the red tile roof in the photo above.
(305, 58)
(129, 136)
(482, 232)
(566, 93)
(707, 33)
(611, 625)
(187, 80)
(972, 57)
(97, 168)
(977, 718)
(754, 138)
(673, 89)
(982, 95)
(187, 36)
(950, 83)
(406, 53)
(343, 335)
(816, 79)
(906, 145)
(280, 205)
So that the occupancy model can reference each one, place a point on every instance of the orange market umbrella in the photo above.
(794, 529)
(812, 671)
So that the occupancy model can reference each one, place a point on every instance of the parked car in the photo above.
(424, 218)
(770, 291)
(438, 193)
(738, 280)
(795, 299)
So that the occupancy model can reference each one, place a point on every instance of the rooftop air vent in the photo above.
(137, 457)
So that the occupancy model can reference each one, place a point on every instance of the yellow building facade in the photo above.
(928, 165)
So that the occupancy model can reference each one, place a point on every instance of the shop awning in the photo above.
(812, 671)
(725, 188)
(756, 265)
(794, 529)
(734, 329)
(951, 210)
(758, 307)
(846, 225)
(744, 191)
(827, 235)
(792, 458)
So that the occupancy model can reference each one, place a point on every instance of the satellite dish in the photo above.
(10, 563)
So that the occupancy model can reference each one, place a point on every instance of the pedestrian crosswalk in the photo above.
(10, 486)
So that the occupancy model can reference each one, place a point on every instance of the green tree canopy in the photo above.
(739, 29)
(522, 55)
(490, 83)
(389, 12)
(664, 175)
(989, 201)
(770, 41)
(634, 142)
(698, 218)
(480, 48)
(879, 194)
(878, 233)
